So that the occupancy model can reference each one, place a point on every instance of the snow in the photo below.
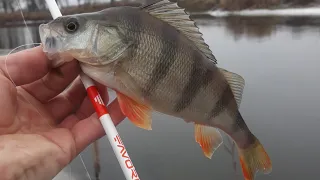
(312, 11)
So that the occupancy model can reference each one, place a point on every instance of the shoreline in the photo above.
(36, 18)
(299, 12)
(44, 15)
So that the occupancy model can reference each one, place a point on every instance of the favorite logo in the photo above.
(125, 156)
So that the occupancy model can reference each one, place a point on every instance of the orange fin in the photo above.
(139, 114)
(254, 159)
(209, 139)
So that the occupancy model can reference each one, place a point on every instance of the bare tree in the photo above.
(41, 4)
(67, 2)
(32, 5)
(7, 6)
(4, 6)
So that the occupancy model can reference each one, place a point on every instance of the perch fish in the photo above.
(155, 58)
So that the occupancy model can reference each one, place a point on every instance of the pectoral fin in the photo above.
(209, 139)
(139, 114)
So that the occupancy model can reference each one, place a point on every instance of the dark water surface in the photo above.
(279, 59)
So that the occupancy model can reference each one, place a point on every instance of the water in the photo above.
(279, 59)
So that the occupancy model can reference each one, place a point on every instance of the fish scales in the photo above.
(159, 57)
(155, 58)
(158, 46)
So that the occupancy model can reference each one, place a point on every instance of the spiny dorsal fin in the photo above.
(236, 83)
(176, 16)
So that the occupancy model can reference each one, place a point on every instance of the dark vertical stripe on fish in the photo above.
(137, 23)
(198, 78)
(222, 103)
(240, 126)
(166, 60)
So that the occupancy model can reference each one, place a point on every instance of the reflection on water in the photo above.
(236, 26)
(261, 27)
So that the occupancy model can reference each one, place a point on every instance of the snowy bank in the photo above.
(313, 11)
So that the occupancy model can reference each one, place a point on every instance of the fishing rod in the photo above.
(113, 136)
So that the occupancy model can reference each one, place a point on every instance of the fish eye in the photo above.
(72, 25)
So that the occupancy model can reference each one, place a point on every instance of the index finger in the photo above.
(25, 66)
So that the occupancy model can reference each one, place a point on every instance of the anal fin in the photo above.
(209, 139)
(139, 114)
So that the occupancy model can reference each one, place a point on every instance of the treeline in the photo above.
(36, 11)
(8, 6)
(200, 5)
(256, 4)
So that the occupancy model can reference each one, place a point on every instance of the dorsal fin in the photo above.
(236, 83)
(176, 16)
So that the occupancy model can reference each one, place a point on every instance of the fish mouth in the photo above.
(52, 43)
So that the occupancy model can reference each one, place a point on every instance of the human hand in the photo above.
(43, 124)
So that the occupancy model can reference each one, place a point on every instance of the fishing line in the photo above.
(231, 151)
(70, 170)
(5, 60)
(85, 167)
(10, 78)
(25, 23)
(6, 67)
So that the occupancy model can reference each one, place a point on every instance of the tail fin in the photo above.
(254, 159)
